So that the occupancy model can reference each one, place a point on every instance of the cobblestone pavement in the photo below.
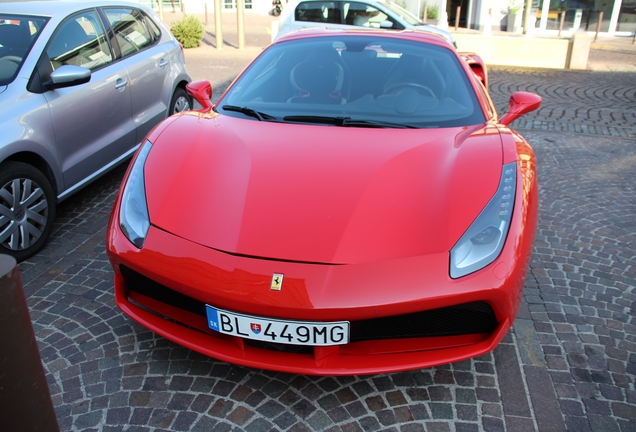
(598, 103)
(569, 362)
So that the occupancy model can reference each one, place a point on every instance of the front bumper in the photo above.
(166, 285)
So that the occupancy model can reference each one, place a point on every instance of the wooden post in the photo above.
(240, 26)
(218, 26)
(425, 12)
(24, 393)
(160, 8)
(561, 23)
(459, 9)
(527, 13)
(598, 25)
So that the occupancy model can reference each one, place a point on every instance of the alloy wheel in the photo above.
(24, 213)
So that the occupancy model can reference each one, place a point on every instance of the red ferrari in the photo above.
(351, 205)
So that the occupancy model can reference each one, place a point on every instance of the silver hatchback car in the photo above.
(81, 84)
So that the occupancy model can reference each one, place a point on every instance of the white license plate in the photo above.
(278, 331)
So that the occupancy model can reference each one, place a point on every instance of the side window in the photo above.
(320, 12)
(153, 27)
(130, 29)
(17, 34)
(362, 15)
(80, 41)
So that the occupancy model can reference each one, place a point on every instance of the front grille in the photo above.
(280, 347)
(145, 286)
(467, 318)
(463, 319)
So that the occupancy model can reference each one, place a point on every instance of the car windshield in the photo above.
(402, 13)
(17, 35)
(364, 81)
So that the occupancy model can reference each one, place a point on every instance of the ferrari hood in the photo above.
(321, 194)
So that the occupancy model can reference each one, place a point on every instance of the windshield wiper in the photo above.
(346, 121)
(261, 116)
(376, 123)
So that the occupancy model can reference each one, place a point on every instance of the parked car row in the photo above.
(81, 84)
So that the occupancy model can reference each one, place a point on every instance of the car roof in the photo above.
(408, 34)
(52, 8)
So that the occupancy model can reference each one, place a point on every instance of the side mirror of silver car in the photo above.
(68, 76)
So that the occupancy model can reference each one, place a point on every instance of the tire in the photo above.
(27, 209)
(181, 101)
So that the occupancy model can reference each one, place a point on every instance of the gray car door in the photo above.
(93, 122)
(148, 65)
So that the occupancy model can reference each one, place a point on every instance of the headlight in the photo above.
(133, 212)
(482, 242)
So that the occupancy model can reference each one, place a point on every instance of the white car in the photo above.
(381, 14)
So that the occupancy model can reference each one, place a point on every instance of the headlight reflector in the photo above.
(482, 242)
(133, 212)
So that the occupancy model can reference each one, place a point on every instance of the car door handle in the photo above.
(121, 83)
(163, 63)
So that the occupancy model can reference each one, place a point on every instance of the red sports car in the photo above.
(351, 205)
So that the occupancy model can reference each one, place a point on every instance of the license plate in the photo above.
(278, 331)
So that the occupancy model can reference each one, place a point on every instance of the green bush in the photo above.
(189, 31)
(432, 11)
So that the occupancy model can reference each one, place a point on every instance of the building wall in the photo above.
(498, 8)
(481, 15)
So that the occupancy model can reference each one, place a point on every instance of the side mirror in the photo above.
(68, 76)
(520, 103)
(386, 24)
(202, 92)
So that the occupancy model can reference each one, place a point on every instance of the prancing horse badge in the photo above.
(277, 282)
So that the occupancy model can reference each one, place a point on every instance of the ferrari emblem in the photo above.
(277, 282)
